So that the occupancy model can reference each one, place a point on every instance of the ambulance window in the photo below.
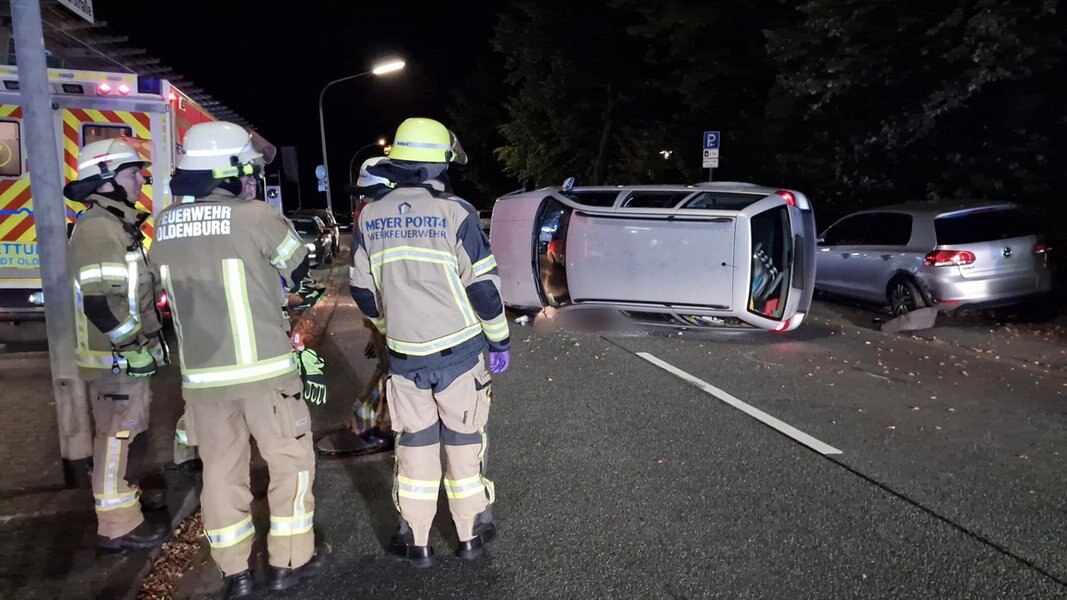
(95, 133)
(10, 149)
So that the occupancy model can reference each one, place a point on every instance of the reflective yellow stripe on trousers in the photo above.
(464, 488)
(301, 521)
(232, 535)
(417, 489)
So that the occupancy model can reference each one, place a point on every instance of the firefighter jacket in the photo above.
(220, 259)
(115, 290)
(424, 275)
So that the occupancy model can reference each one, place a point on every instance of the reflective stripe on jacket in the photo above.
(220, 259)
(424, 275)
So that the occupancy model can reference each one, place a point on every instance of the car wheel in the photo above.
(905, 296)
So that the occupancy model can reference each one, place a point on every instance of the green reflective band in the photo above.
(94, 359)
(496, 330)
(232, 375)
(232, 535)
(103, 272)
(281, 526)
(181, 437)
(380, 259)
(379, 324)
(428, 145)
(236, 171)
(484, 266)
(429, 347)
(464, 488)
(123, 331)
(241, 326)
(285, 251)
(460, 296)
(365, 411)
(417, 489)
(109, 502)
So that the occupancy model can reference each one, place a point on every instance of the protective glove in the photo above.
(499, 361)
(311, 365)
(139, 363)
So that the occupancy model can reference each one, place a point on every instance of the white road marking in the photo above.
(751, 411)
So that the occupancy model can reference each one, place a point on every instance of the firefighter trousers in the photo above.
(120, 411)
(281, 427)
(428, 409)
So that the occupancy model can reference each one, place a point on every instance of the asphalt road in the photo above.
(617, 479)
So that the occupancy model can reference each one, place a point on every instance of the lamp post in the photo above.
(380, 69)
(352, 161)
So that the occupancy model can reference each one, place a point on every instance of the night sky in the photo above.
(268, 61)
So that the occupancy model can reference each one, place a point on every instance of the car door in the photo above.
(839, 244)
(883, 252)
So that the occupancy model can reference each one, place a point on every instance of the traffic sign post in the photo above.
(711, 140)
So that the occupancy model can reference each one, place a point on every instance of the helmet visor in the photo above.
(459, 155)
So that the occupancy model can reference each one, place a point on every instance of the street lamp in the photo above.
(352, 161)
(379, 69)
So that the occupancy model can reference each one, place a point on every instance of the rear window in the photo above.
(644, 199)
(772, 263)
(983, 226)
(722, 201)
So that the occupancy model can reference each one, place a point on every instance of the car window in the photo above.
(888, 229)
(722, 201)
(772, 262)
(981, 226)
(643, 199)
(594, 197)
(851, 231)
(552, 225)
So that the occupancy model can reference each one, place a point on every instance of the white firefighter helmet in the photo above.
(219, 147)
(99, 161)
(366, 179)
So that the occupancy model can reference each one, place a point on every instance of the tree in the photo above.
(913, 100)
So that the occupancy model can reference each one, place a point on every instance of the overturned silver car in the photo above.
(715, 255)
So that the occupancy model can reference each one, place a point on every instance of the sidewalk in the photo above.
(46, 532)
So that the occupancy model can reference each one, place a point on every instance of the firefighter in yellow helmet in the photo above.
(117, 333)
(220, 258)
(424, 275)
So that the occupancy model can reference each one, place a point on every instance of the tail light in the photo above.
(788, 196)
(1040, 248)
(104, 88)
(949, 258)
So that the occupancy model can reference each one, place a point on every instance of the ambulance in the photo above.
(87, 106)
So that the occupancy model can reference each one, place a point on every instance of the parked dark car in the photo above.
(316, 236)
(329, 220)
(344, 220)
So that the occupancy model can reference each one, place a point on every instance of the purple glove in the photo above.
(499, 361)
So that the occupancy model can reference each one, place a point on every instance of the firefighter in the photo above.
(117, 333)
(220, 258)
(423, 274)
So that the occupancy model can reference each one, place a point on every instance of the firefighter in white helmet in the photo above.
(424, 275)
(220, 258)
(117, 331)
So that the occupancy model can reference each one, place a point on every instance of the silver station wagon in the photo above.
(715, 255)
(951, 255)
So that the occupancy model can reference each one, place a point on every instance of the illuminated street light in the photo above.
(383, 68)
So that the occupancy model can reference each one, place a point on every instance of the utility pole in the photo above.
(49, 213)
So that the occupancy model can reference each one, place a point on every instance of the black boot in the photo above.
(379, 439)
(145, 535)
(283, 579)
(402, 546)
(153, 499)
(238, 585)
(472, 548)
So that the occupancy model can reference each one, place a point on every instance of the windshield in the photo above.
(306, 227)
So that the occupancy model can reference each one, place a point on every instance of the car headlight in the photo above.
(309, 246)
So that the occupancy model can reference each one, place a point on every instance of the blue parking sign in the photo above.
(711, 140)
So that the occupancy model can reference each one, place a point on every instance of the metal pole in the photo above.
(322, 133)
(49, 208)
(710, 178)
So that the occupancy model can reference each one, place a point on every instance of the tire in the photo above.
(904, 296)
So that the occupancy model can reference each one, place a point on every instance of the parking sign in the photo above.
(711, 140)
